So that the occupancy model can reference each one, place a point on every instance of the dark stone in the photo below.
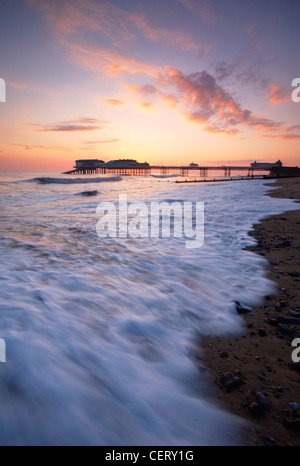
(288, 320)
(292, 424)
(262, 332)
(286, 330)
(227, 377)
(270, 442)
(231, 382)
(271, 321)
(263, 401)
(224, 354)
(281, 337)
(240, 309)
(256, 409)
(294, 406)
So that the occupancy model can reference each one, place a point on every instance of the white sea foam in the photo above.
(74, 180)
(101, 335)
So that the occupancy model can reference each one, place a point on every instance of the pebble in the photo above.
(271, 321)
(230, 381)
(286, 330)
(295, 407)
(262, 332)
(292, 425)
(263, 401)
(240, 309)
(270, 442)
(256, 409)
(288, 320)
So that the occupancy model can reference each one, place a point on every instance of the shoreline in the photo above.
(253, 373)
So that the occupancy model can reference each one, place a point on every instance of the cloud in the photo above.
(174, 38)
(277, 94)
(205, 102)
(204, 51)
(106, 141)
(246, 70)
(113, 102)
(200, 8)
(81, 124)
(293, 128)
(290, 133)
(20, 86)
(35, 147)
(146, 105)
(104, 38)
(110, 62)
(28, 147)
(251, 30)
(151, 92)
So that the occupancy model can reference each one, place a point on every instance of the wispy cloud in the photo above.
(290, 133)
(277, 94)
(36, 147)
(17, 85)
(151, 92)
(110, 62)
(113, 102)
(200, 8)
(28, 147)
(105, 141)
(251, 30)
(81, 24)
(174, 38)
(249, 69)
(80, 124)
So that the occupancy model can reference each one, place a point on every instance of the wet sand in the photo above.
(254, 374)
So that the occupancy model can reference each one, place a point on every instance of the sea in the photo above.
(103, 335)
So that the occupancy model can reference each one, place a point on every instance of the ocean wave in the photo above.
(164, 176)
(49, 180)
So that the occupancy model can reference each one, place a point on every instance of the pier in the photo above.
(133, 168)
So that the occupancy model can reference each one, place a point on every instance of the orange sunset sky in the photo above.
(173, 81)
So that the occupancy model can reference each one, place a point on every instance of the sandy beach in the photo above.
(254, 372)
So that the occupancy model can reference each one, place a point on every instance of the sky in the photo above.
(162, 81)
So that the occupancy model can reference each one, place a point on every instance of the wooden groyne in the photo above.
(240, 178)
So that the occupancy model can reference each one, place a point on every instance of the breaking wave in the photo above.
(49, 180)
